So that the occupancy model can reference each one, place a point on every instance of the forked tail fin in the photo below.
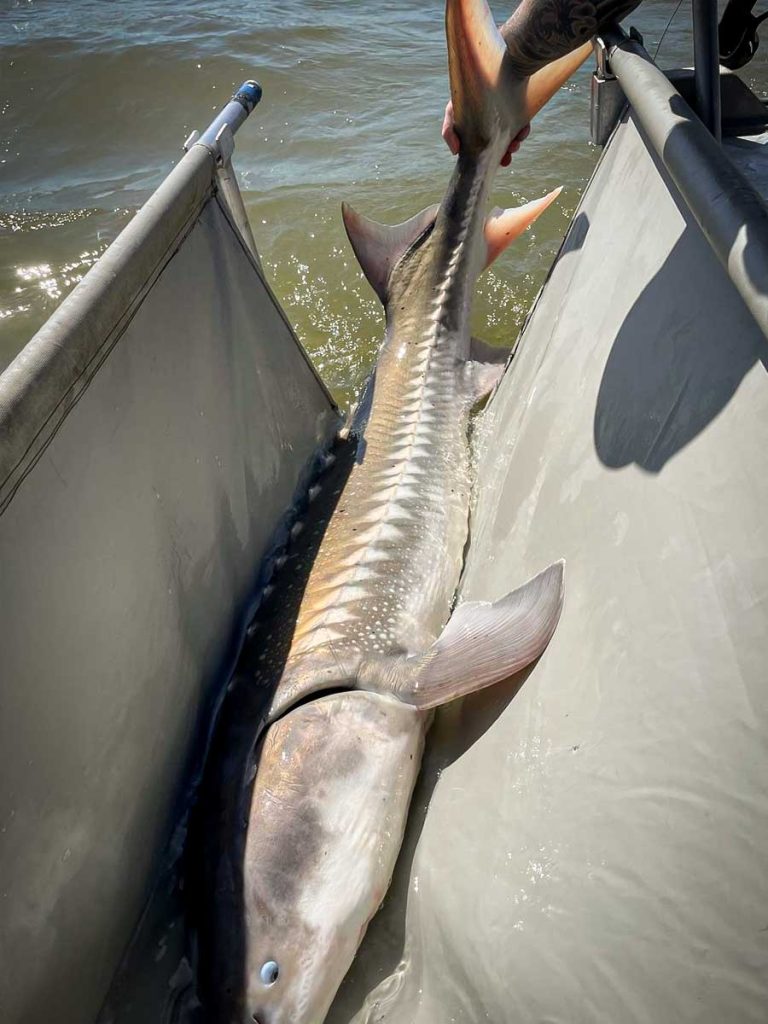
(499, 83)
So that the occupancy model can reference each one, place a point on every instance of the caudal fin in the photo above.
(499, 83)
(484, 91)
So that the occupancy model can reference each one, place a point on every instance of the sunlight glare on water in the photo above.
(353, 99)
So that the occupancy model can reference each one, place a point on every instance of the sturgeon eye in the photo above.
(269, 973)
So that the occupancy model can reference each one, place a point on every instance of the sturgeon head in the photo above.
(326, 822)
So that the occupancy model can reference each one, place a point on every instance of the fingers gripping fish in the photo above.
(300, 854)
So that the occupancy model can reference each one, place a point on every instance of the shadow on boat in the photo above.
(679, 357)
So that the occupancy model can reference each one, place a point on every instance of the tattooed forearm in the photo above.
(540, 31)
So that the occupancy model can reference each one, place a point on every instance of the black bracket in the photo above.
(737, 34)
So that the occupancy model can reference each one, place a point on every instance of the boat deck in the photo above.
(592, 848)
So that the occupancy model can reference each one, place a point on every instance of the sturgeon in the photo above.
(318, 745)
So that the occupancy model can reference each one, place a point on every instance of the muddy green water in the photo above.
(96, 98)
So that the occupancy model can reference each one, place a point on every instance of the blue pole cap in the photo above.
(248, 95)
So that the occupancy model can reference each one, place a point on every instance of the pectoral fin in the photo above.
(485, 643)
(504, 226)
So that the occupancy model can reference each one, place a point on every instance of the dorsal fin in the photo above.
(504, 226)
(378, 247)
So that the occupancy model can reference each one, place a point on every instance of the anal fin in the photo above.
(485, 367)
(486, 642)
(481, 352)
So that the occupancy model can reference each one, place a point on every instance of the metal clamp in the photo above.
(194, 135)
(607, 100)
(219, 139)
(231, 117)
(601, 57)
(225, 142)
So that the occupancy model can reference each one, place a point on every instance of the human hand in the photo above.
(452, 139)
